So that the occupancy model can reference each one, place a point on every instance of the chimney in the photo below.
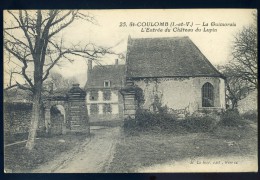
(89, 65)
(50, 87)
(89, 68)
(116, 62)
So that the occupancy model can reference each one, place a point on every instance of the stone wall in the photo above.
(181, 93)
(17, 118)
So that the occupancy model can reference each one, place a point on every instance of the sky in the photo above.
(216, 46)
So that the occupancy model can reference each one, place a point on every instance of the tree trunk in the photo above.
(234, 104)
(35, 119)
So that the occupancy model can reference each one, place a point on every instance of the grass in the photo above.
(18, 159)
(112, 123)
(146, 149)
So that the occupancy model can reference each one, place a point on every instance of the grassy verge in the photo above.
(146, 149)
(18, 159)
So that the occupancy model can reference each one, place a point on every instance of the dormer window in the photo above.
(106, 83)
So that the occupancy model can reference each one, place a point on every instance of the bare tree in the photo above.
(236, 88)
(241, 70)
(244, 54)
(60, 83)
(31, 37)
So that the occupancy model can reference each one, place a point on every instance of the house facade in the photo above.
(104, 101)
(173, 71)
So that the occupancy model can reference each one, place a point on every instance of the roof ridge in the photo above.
(206, 59)
(147, 58)
(172, 37)
(100, 66)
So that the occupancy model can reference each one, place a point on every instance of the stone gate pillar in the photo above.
(78, 118)
(47, 119)
(129, 100)
(66, 124)
(47, 116)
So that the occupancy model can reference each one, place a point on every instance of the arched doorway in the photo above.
(207, 95)
(71, 112)
(57, 119)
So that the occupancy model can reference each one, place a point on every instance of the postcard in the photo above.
(130, 91)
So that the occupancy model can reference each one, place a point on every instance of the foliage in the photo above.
(231, 117)
(236, 87)
(250, 115)
(59, 83)
(17, 106)
(198, 124)
(139, 95)
(164, 122)
(148, 121)
(245, 54)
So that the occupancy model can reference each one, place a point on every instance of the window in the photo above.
(93, 109)
(107, 95)
(207, 95)
(106, 83)
(93, 95)
(107, 109)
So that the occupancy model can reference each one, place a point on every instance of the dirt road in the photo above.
(93, 156)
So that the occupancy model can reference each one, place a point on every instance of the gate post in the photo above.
(78, 118)
(47, 119)
(47, 116)
(129, 100)
(65, 126)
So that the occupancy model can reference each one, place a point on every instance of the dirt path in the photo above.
(94, 155)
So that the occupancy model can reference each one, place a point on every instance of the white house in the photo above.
(103, 100)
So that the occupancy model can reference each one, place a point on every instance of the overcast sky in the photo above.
(216, 46)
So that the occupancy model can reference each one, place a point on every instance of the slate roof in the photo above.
(167, 57)
(113, 73)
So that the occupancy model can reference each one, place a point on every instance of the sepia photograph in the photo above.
(130, 91)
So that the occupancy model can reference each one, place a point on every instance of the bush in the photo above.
(231, 118)
(198, 124)
(250, 115)
(149, 121)
(167, 123)
(130, 126)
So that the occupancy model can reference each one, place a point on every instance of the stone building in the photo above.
(104, 101)
(174, 71)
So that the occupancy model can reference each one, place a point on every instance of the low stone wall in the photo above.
(17, 118)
